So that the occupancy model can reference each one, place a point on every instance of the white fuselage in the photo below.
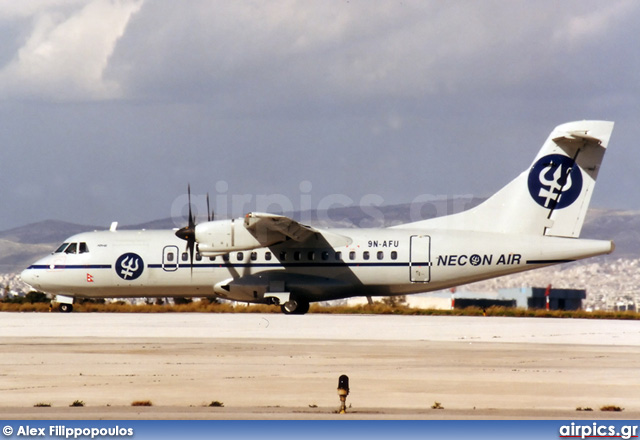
(377, 262)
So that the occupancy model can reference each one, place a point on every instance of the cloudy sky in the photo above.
(108, 108)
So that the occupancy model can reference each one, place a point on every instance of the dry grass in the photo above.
(613, 408)
(11, 307)
(141, 403)
(42, 405)
(375, 308)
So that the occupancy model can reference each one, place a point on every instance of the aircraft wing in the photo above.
(255, 222)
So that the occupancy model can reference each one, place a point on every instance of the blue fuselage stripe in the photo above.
(70, 266)
(267, 265)
(549, 261)
(223, 265)
(171, 267)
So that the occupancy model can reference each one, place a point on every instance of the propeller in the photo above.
(188, 233)
(210, 214)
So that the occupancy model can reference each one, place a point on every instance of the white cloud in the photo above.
(586, 24)
(67, 51)
(263, 54)
(12, 9)
(277, 52)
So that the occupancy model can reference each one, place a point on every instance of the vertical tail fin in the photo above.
(551, 197)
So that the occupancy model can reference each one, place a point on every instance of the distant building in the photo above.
(524, 297)
(445, 300)
(535, 297)
(625, 306)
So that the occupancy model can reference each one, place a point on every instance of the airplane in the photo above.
(532, 222)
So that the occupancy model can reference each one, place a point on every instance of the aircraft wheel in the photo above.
(66, 308)
(303, 307)
(295, 307)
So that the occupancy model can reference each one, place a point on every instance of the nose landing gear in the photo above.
(65, 303)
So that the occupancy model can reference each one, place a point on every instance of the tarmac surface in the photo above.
(287, 367)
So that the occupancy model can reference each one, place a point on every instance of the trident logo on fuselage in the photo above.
(129, 266)
(555, 181)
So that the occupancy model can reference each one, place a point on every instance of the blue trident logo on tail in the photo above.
(555, 181)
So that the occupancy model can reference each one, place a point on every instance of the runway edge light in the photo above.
(343, 392)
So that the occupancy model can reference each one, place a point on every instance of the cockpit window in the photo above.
(71, 249)
(62, 247)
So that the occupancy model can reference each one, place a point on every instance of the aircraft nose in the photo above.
(30, 277)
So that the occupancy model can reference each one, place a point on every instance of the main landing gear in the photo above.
(65, 308)
(295, 307)
(289, 304)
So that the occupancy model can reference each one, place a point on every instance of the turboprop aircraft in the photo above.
(534, 221)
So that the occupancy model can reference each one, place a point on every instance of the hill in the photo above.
(22, 245)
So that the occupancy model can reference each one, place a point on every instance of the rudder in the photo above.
(551, 197)
(563, 176)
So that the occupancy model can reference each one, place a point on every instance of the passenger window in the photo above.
(365, 255)
(62, 247)
(380, 255)
(225, 257)
(212, 258)
(394, 255)
(72, 249)
(311, 255)
(339, 255)
(297, 255)
(254, 256)
(325, 255)
(170, 256)
(352, 255)
(84, 248)
(240, 256)
(267, 256)
(185, 256)
(283, 256)
(198, 256)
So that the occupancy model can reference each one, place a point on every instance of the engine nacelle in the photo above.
(223, 236)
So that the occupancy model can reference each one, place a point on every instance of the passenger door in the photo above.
(170, 258)
(420, 259)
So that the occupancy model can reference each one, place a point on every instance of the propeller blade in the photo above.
(209, 211)
(192, 222)
(191, 246)
(188, 233)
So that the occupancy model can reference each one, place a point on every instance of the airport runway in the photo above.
(287, 367)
